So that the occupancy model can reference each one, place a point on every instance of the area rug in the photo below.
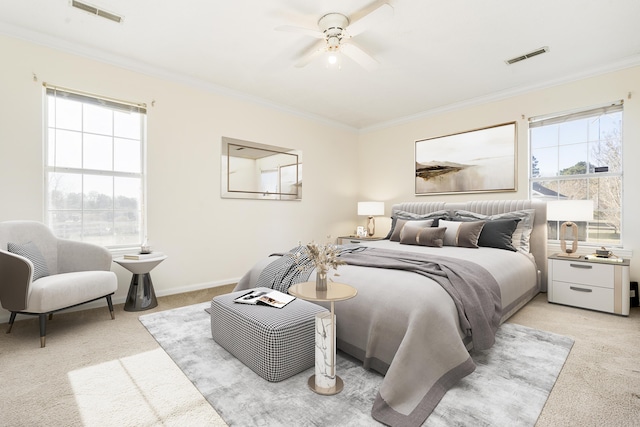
(508, 388)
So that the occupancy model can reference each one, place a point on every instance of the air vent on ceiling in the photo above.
(527, 55)
(95, 11)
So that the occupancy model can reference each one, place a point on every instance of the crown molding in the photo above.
(629, 62)
(143, 68)
(153, 71)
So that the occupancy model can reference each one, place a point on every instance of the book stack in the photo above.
(140, 256)
(594, 257)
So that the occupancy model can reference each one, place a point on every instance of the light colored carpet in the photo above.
(600, 383)
(508, 388)
(598, 386)
(99, 372)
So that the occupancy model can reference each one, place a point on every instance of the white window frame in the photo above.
(114, 105)
(558, 118)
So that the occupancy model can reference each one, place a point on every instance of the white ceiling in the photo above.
(433, 55)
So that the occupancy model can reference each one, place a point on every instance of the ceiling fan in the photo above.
(336, 32)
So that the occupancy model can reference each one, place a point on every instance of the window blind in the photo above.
(569, 116)
(96, 100)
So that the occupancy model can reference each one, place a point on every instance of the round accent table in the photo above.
(325, 381)
(141, 295)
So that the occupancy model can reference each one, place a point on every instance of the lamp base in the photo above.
(371, 227)
(569, 253)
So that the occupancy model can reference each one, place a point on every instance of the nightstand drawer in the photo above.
(591, 297)
(353, 240)
(349, 241)
(583, 273)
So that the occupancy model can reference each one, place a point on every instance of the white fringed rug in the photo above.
(509, 387)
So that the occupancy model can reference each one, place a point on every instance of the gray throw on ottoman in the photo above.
(276, 343)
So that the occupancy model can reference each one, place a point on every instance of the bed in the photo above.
(413, 326)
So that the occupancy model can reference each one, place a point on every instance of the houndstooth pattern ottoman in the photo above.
(276, 343)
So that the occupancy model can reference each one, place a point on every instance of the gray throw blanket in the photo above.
(474, 291)
(288, 270)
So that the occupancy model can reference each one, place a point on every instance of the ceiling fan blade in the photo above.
(368, 17)
(311, 53)
(300, 30)
(363, 59)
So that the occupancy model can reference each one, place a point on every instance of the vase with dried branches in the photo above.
(323, 257)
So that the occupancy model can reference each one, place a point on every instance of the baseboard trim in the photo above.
(4, 314)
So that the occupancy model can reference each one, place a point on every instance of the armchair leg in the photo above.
(12, 318)
(110, 303)
(43, 328)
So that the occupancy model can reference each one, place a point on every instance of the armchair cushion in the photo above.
(32, 253)
(63, 290)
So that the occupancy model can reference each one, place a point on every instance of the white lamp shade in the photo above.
(570, 210)
(370, 208)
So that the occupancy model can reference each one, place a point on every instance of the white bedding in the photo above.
(515, 272)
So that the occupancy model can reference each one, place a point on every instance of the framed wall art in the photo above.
(481, 160)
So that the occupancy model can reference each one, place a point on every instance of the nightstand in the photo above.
(354, 240)
(593, 284)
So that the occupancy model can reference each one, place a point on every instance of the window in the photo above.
(94, 168)
(578, 156)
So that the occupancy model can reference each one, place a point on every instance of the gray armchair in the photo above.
(41, 274)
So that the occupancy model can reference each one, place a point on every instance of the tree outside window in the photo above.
(94, 166)
(578, 156)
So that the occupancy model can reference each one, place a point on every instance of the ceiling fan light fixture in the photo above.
(333, 23)
(333, 43)
(334, 60)
(336, 36)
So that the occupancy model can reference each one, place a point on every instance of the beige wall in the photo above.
(209, 240)
(212, 241)
(387, 155)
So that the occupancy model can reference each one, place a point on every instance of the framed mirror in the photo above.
(258, 171)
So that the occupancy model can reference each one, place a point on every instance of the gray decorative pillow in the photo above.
(409, 233)
(400, 224)
(32, 253)
(462, 234)
(413, 216)
(498, 233)
(432, 236)
(522, 233)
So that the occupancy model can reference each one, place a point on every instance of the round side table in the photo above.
(141, 295)
(329, 383)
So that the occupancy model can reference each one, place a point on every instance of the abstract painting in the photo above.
(481, 160)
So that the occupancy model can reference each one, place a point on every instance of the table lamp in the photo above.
(370, 209)
(565, 210)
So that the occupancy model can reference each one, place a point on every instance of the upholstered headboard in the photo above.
(538, 240)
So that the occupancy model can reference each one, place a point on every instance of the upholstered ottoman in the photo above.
(276, 343)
